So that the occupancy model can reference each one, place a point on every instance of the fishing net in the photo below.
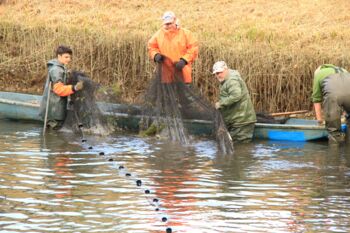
(173, 109)
(262, 117)
(84, 114)
(169, 108)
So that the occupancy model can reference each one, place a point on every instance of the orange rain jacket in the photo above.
(174, 45)
(62, 90)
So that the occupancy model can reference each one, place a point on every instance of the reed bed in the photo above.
(275, 50)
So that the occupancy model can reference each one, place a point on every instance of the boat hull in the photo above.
(292, 130)
(26, 107)
(19, 106)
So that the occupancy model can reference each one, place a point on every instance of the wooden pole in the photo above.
(47, 107)
(288, 113)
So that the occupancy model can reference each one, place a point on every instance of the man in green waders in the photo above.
(331, 85)
(56, 86)
(234, 103)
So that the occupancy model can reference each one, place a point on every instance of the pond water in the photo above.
(58, 183)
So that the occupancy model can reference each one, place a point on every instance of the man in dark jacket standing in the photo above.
(234, 103)
(56, 84)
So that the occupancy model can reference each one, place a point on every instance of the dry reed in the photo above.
(275, 50)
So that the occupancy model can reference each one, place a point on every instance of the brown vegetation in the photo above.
(275, 44)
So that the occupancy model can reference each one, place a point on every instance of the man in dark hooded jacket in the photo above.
(56, 83)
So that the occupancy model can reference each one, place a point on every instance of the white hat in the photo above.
(219, 66)
(168, 17)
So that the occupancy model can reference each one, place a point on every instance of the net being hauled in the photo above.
(168, 104)
(167, 108)
(84, 114)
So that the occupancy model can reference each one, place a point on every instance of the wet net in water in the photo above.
(84, 114)
(171, 107)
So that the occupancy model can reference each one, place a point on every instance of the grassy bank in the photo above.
(275, 45)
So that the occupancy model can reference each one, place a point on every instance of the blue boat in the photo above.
(26, 107)
(294, 129)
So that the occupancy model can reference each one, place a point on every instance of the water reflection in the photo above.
(60, 185)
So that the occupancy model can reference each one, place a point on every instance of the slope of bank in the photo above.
(275, 45)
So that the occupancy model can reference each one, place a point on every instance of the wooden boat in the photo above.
(26, 107)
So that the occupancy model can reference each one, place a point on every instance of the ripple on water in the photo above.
(63, 186)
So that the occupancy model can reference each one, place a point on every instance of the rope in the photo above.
(123, 171)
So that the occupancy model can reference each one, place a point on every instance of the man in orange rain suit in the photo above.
(172, 45)
(59, 90)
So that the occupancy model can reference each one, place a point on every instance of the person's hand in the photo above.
(217, 105)
(79, 86)
(343, 119)
(180, 64)
(321, 122)
(159, 58)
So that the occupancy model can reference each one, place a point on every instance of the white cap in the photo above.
(168, 17)
(219, 66)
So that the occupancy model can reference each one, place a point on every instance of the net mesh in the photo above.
(169, 106)
(84, 114)
(263, 117)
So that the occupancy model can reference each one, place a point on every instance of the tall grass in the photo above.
(109, 42)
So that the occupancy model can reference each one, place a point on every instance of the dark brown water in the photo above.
(58, 184)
